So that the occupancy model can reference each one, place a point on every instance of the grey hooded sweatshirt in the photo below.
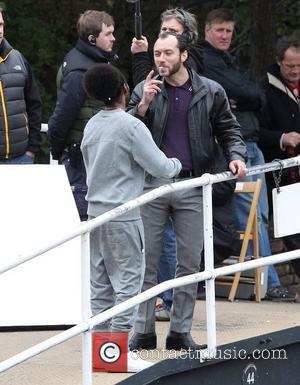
(117, 149)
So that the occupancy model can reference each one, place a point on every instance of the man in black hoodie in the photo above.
(73, 108)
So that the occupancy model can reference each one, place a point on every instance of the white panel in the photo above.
(286, 208)
(36, 206)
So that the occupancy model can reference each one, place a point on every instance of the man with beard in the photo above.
(185, 114)
(176, 20)
(73, 108)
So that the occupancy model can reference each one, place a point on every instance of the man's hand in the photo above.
(238, 168)
(140, 45)
(30, 153)
(151, 88)
(290, 139)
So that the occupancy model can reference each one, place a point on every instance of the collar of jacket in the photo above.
(94, 52)
(5, 50)
(229, 58)
(196, 57)
(276, 80)
(199, 88)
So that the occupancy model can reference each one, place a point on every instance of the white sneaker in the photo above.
(135, 363)
(161, 313)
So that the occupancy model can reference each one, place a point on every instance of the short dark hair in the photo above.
(284, 43)
(182, 43)
(90, 23)
(219, 15)
(185, 18)
(104, 82)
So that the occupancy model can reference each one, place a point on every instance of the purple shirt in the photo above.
(175, 143)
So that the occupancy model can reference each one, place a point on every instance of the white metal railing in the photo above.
(209, 274)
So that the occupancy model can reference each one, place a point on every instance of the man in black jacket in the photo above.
(246, 99)
(21, 107)
(280, 135)
(183, 22)
(185, 113)
(73, 108)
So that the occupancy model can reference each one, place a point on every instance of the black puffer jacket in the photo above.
(20, 105)
(209, 118)
(245, 95)
(73, 108)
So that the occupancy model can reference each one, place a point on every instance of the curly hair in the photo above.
(104, 82)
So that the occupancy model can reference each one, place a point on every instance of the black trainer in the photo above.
(280, 294)
(141, 341)
(179, 341)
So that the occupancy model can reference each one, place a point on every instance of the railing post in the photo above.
(209, 265)
(85, 309)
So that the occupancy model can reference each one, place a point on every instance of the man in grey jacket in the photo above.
(185, 113)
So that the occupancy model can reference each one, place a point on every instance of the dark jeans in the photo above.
(77, 179)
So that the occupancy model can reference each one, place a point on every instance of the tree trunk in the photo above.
(263, 36)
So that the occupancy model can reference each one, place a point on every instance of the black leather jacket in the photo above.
(209, 118)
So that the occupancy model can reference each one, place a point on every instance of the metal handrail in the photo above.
(209, 274)
(138, 299)
(84, 227)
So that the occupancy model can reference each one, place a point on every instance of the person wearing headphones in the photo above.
(176, 20)
(73, 107)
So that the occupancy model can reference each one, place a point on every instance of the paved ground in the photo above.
(62, 364)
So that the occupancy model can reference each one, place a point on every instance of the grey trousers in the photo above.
(186, 210)
(117, 270)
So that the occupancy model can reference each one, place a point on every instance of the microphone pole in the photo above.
(137, 18)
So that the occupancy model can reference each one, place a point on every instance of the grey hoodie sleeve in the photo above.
(146, 153)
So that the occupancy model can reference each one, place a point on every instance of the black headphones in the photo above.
(92, 40)
(187, 34)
